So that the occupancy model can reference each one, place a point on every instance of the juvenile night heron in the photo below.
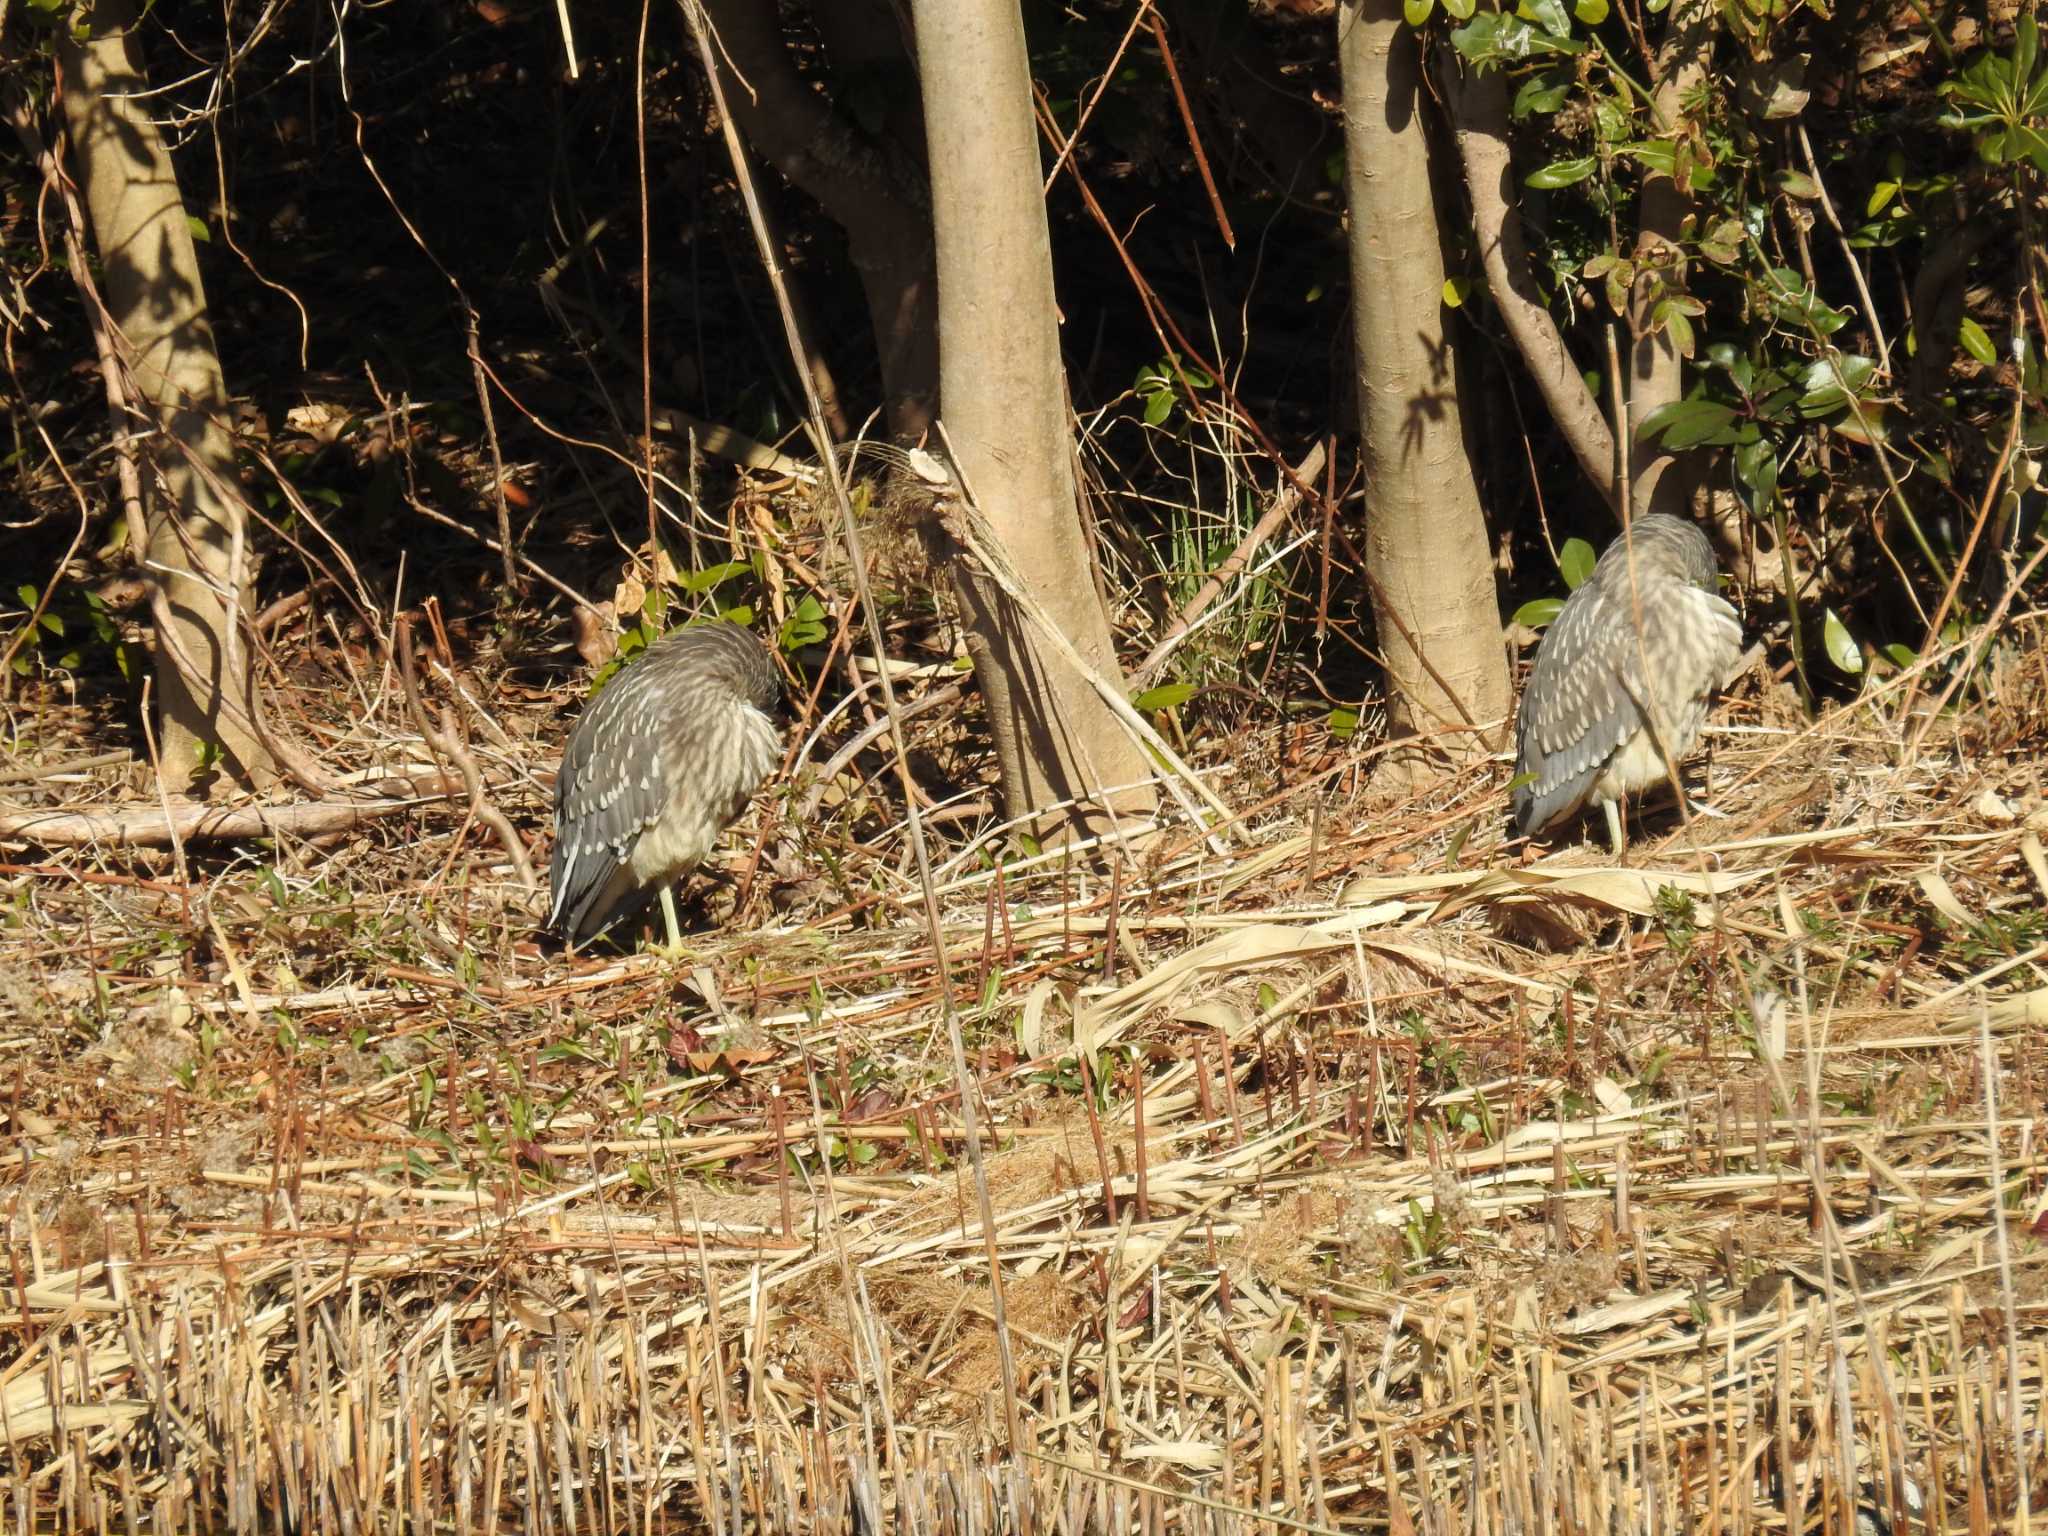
(1620, 686)
(662, 762)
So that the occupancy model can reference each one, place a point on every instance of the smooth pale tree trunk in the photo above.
(1427, 557)
(1656, 369)
(196, 539)
(1003, 403)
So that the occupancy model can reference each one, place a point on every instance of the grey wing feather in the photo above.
(675, 746)
(605, 798)
(1576, 711)
(1696, 638)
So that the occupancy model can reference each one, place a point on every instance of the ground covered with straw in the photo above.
(1348, 1169)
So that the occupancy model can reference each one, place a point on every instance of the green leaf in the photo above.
(711, 576)
(1722, 244)
(1756, 469)
(1977, 343)
(28, 594)
(1798, 184)
(1547, 14)
(1165, 696)
(798, 632)
(1841, 646)
(1575, 562)
(1490, 40)
(1880, 196)
(1869, 424)
(1343, 723)
(1456, 290)
(1544, 92)
(1563, 173)
(198, 228)
(1669, 316)
(1417, 11)
(1591, 12)
(1658, 154)
(1538, 611)
(1687, 423)
(1900, 656)
(1830, 381)
(1461, 10)
(1791, 301)
(1158, 406)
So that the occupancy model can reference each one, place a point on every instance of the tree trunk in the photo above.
(1427, 557)
(1479, 106)
(197, 540)
(1003, 403)
(883, 207)
(1658, 482)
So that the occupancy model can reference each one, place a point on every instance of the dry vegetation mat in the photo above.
(1359, 1178)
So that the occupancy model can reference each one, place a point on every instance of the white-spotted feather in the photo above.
(1623, 677)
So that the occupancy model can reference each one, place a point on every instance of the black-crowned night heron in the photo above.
(1619, 691)
(660, 764)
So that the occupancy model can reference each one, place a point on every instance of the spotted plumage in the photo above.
(1622, 679)
(660, 764)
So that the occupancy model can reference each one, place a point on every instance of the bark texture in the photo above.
(197, 539)
(1427, 556)
(1480, 104)
(881, 202)
(1656, 370)
(1003, 398)
(1658, 481)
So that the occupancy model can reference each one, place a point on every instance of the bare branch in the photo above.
(192, 822)
(1479, 109)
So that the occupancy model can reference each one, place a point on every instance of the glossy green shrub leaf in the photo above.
(1575, 562)
(1688, 423)
(1841, 646)
(1563, 173)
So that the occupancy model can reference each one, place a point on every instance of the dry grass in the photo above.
(1406, 1189)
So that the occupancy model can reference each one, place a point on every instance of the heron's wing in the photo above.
(1577, 709)
(610, 788)
(1690, 639)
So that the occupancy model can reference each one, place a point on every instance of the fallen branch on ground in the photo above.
(155, 826)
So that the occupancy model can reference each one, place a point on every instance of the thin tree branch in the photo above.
(1480, 115)
(446, 746)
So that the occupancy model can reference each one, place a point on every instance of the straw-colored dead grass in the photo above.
(1469, 1194)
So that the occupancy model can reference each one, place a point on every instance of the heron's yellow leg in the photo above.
(673, 949)
(1616, 839)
